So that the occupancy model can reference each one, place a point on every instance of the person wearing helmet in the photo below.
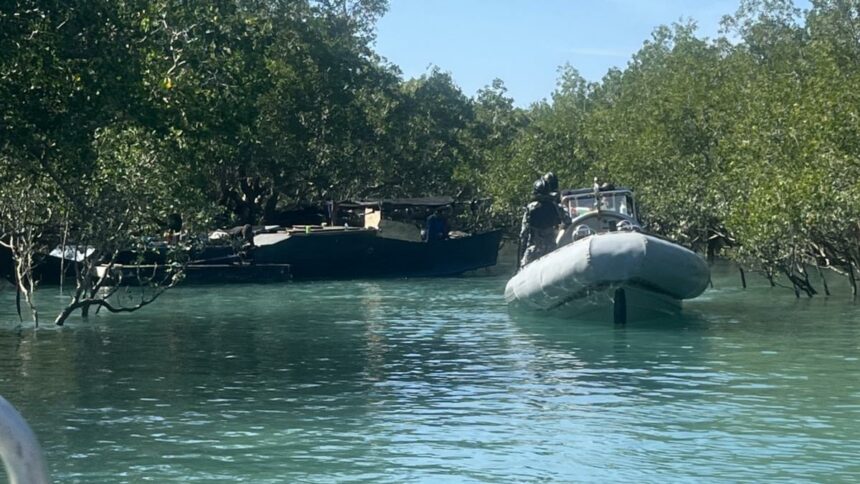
(540, 223)
(551, 182)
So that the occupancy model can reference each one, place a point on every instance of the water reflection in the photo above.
(633, 365)
(725, 387)
(435, 380)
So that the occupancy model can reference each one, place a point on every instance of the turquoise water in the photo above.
(432, 380)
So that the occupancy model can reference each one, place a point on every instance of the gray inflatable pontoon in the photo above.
(608, 268)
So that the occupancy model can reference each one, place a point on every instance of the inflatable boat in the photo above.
(606, 267)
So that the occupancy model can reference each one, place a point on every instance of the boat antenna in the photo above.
(596, 194)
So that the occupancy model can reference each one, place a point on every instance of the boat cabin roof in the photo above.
(426, 202)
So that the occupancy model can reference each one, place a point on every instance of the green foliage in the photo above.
(749, 144)
(426, 138)
(116, 114)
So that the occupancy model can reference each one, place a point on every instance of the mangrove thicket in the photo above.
(116, 115)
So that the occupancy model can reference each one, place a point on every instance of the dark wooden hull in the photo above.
(6, 267)
(212, 265)
(362, 254)
(46, 269)
(338, 255)
(200, 274)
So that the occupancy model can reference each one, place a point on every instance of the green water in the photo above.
(433, 380)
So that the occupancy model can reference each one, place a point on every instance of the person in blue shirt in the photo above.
(437, 226)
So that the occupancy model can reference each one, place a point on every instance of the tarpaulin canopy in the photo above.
(429, 202)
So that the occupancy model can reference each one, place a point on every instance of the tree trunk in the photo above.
(712, 250)
(64, 315)
(823, 281)
(23, 260)
(269, 209)
(18, 300)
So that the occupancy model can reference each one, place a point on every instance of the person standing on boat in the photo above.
(437, 226)
(551, 182)
(540, 223)
(246, 244)
(174, 228)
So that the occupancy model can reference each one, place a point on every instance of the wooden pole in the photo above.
(823, 281)
(619, 307)
(853, 280)
(18, 297)
(63, 255)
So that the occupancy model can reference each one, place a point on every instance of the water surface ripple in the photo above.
(434, 380)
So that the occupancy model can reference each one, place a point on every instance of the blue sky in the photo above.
(524, 42)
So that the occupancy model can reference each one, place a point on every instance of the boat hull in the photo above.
(364, 254)
(584, 278)
(196, 274)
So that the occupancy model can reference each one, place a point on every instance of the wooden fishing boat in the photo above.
(381, 247)
(384, 239)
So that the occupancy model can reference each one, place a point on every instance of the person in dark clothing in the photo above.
(247, 234)
(437, 226)
(246, 244)
(541, 221)
(551, 182)
(174, 228)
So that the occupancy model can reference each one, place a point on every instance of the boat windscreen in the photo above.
(621, 202)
